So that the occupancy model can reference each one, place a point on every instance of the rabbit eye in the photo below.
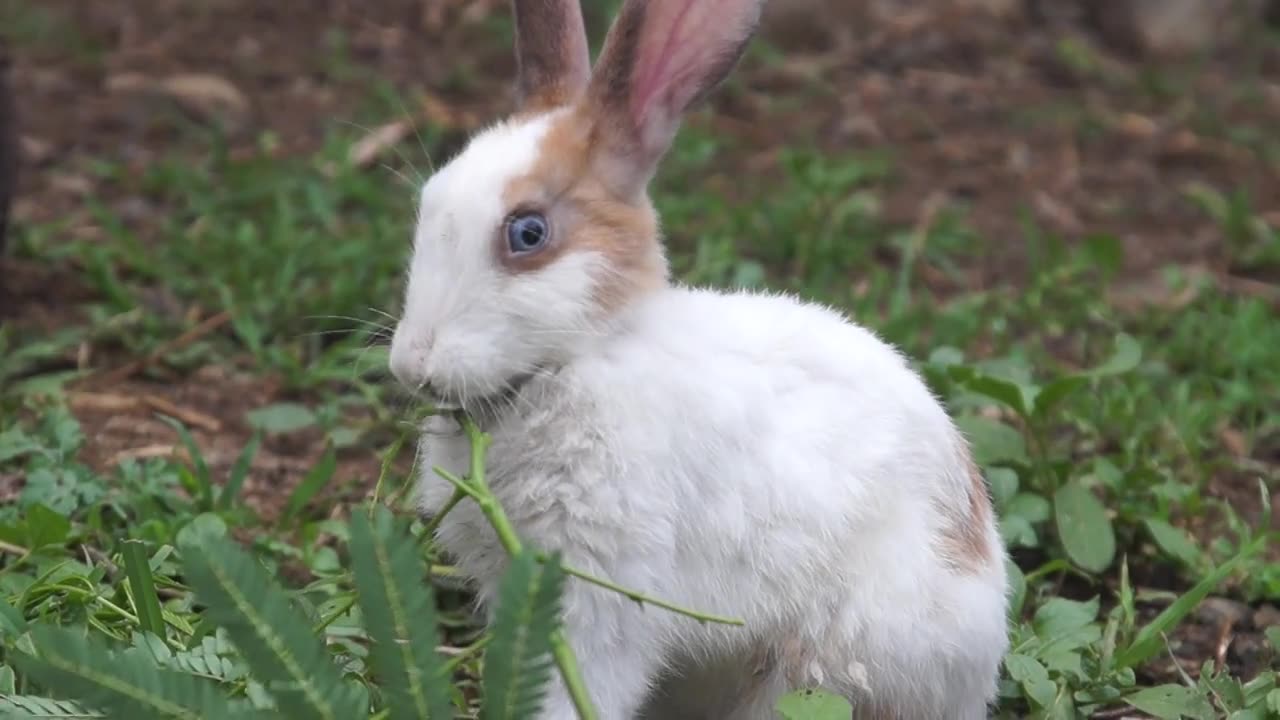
(527, 232)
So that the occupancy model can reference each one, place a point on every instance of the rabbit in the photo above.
(745, 453)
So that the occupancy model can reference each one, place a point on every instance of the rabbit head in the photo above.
(535, 238)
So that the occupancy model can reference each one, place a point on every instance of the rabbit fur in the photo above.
(747, 454)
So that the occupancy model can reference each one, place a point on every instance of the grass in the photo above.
(1112, 438)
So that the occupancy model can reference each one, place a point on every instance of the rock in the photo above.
(1170, 28)
(1218, 611)
(1265, 617)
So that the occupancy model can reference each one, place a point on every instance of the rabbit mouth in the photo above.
(490, 406)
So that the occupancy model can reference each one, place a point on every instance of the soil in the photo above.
(1026, 114)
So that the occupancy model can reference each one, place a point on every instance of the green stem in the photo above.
(467, 653)
(479, 489)
(641, 598)
(430, 530)
(572, 677)
(387, 459)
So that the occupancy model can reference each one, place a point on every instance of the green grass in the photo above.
(1100, 430)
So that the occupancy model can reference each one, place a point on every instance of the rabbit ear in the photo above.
(660, 58)
(552, 58)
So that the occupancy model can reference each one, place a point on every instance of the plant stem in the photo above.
(458, 495)
(467, 653)
(382, 472)
(476, 487)
(572, 677)
(641, 598)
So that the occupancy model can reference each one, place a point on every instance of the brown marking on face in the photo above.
(964, 540)
(584, 215)
(553, 62)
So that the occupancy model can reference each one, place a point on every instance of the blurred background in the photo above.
(215, 198)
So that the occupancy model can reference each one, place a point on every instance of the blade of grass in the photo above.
(1149, 641)
(146, 604)
(311, 485)
(239, 472)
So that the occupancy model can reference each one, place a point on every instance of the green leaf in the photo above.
(281, 418)
(1017, 532)
(1023, 667)
(1084, 527)
(1148, 640)
(1126, 357)
(14, 444)
(123, 685)
(1017, 588)
(277, 642)
(137, 567)
(11, 619)
(813, 705)
(1058, 617)
(30, 707)
(45, 527)
(518, 662)
(400, 616)
(1017, 397)
(202, 527)
(239, 471)
(1171, 702)
(1004, 485)
(1173, 541)
(1041, 691)
(1057, 391)
(311, 485)
(1030, 506)
(992, 441)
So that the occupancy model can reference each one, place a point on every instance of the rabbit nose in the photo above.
(408, 363)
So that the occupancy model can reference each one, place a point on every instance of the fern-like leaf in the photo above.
(276, 642)
(212, 658)
(518, 661)
(400, 616)
(128, 685)
(29, 707)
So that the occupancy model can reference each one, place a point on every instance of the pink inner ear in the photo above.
(676, 47)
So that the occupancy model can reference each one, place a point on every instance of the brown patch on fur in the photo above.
(585, 215)
(964, 541)
(554, 64)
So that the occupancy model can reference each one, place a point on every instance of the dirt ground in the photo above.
(1031, 112)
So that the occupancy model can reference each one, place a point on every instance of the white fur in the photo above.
(466, 325)
(742, 454)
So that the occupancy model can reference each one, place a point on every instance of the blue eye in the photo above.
(527, 232)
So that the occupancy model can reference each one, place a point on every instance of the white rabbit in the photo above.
(750, 455)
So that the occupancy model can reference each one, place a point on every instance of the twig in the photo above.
(191, 417)
(12, 549)
(129, 369)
